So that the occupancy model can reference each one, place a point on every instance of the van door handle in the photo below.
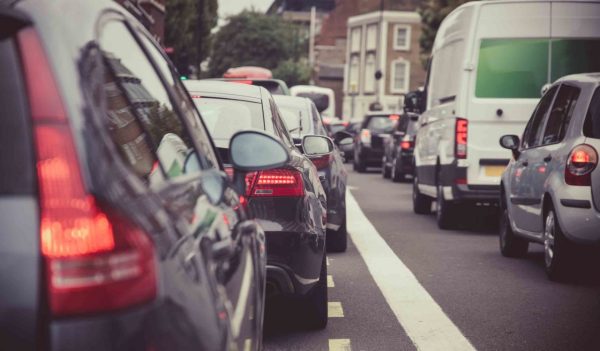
(548, 158)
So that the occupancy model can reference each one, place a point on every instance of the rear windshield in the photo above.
(296, 119)
(591, 128)
(408, 125)
(225, 117)
(380, 124)
(321, 100)
(519, 68)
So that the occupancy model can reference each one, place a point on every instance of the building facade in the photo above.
(387, 42)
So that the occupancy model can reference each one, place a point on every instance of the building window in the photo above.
(355, 39)
(400, 76)
(353, 76)
(370, 73)
(401, 37)
(371, 43)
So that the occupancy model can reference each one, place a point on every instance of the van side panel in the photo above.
(585, 15)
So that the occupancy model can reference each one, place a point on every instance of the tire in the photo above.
(337, 241)
(386, 172)
(421, 203)
(446, 213)
(397, 176)
(510, 244)
(315, 303)
(559, 252)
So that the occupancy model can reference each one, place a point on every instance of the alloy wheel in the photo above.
(549, 238)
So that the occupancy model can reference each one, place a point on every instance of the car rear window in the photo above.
(297, 120)
(380, 124)
(225, 117)
(591, 127)
(321, 100)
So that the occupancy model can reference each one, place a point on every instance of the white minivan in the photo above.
(489, 63)
(324, 98)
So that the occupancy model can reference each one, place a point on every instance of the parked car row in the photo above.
(139, 216)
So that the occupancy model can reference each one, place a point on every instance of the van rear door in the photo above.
(510, 67)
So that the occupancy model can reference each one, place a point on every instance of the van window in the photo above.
(572, 56)
(512, 68)
(560, 114)
(320, 100)
(533, 131)
(591, 127)
(445, 72)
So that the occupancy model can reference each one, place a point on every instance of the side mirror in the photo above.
(341, 135)
(511, 142)
(314, 145)
(346, 141)
(191, 163)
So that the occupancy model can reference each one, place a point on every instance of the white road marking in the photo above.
(350, 187)
(335, 310)
(421, 317)
(339, 345)
(330, 283)
(328, 261)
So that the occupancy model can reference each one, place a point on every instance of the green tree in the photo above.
(188, 26)
(292, 72)
(255, 39)
(432, 14)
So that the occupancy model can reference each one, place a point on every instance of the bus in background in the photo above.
(324, 98)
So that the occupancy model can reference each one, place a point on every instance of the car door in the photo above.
(523, 200)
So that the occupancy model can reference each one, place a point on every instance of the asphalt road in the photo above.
(496, 303)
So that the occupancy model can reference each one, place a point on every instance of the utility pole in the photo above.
(379, 55)
(311, 42)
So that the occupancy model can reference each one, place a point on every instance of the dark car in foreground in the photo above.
(398, 160)
(368, 143)
(289, 202)
(119, 228)
(550, 191)
(302, 118)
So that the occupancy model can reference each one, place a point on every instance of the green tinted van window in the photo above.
(512, 68)
(572, 56)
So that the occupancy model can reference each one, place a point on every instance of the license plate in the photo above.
(493, 171)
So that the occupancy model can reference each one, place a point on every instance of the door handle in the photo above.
(548, 158)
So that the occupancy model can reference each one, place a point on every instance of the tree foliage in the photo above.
(255, 39)
(293, 72)
(432, 14)
(188, 26)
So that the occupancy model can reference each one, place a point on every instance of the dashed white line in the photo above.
(330, 283)
(334, 309)
(339, 345)
(422, 318)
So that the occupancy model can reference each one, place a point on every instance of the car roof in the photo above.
(581, 78)
(216, 87)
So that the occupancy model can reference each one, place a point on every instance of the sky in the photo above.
(232, 7)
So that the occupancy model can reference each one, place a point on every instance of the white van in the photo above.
(324, 98)
(489, 63)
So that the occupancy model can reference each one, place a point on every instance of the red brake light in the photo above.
(462, 130)
(322, 162)
(275, 183)
(95, 261)
(580, 164)
(365, 136)
(394, 117)
(406, 144)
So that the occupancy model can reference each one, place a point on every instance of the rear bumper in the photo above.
(370, 156)
(477, 193)
(406, 162)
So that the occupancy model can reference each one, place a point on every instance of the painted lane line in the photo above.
(328, 261)
(422, 318)
(335, 310)
(330, 283)
(339, 345)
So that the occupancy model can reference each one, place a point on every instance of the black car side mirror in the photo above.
(341, 135)
(511, 142)
(314, 145)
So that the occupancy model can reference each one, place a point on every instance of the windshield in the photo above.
(380, 124)
(519, 68)
(225, 117)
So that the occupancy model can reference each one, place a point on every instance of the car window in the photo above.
(279, 125)
(225, 117)
(140, 115)
(560, 114)
(380, 124)
(297, 119)
(591, 127)
(319, 127)
(207, 155)
(533, 131)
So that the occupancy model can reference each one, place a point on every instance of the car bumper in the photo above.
(577, 216)
(371, 156)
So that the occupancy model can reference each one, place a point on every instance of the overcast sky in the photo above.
(232, 7)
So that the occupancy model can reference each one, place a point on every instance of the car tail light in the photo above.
(394, 117)
(365, 136)
(460, 146)
(322, 162)
(275, 183)
(406, 144)
(580, 164)
(95, 260)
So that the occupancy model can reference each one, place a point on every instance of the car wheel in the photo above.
(316, 301)
(558, 251)
(446, 211)
(337, 241)
(421, 203)
(397, 176)
(510, 244)
(385, 170)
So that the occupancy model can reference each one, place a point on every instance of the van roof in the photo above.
(581, 77)
(226, 88)
(313, 88)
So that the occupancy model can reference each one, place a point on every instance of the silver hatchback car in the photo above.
(550, 191)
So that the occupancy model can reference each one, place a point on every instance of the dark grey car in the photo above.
(289, 202)
(302, 118)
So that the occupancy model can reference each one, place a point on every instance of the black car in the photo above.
(289, 202)
(368, 143)
(119, 227)
(398, 160)
(302, 118)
